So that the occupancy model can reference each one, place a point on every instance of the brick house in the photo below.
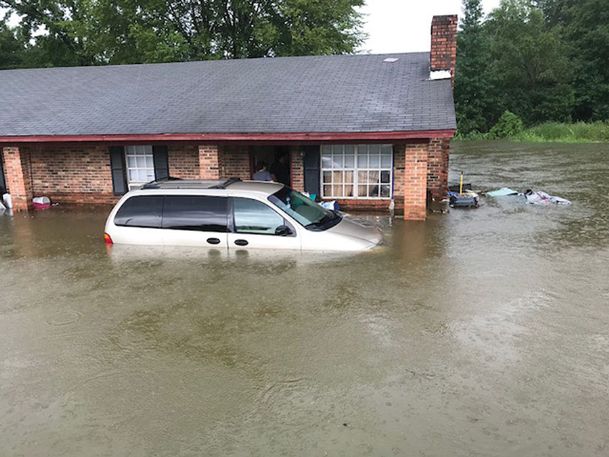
(361, 129)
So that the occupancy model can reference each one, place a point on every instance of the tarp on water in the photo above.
(503, 192)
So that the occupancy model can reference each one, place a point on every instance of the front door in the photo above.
(195, 220)
(257, 225)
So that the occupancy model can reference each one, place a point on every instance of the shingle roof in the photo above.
(352, 93)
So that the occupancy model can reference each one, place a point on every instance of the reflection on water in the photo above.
(478, 332)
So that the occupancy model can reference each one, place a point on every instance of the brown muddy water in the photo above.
(478, 333)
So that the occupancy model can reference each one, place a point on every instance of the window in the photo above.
(306, 212)
(190, 212)
(140, 165)
(252, 216)
(140, 212)
(356, 171)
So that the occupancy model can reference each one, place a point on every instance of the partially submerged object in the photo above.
(503, 192)
(467, 199)
(41, 203)
(7, 201)
(461, 199)
(542, 198)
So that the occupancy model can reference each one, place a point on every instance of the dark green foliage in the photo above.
(544, 60)
(11, 48)
(472, 100)
(508, 125)
(584, 25)
(86, 32)
(528, 64)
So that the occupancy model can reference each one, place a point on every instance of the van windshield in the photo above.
(304, 210)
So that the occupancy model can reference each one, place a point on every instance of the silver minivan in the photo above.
(232, 214)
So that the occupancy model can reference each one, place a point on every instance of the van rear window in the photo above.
(141, 211)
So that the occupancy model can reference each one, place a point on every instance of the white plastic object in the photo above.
(8, 201)
(41, 200)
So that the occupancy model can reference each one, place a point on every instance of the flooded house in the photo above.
(369, 131)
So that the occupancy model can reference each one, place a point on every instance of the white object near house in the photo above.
(41, 200)
(8, 201)
(440, 74)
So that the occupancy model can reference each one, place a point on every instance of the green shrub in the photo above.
(577, 132)
(508, 125)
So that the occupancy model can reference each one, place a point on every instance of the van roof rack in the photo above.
(226, 183)
(177, 183)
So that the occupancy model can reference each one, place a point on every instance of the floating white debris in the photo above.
(391, 59)
(440, 74)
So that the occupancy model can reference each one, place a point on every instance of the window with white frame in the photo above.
(140, 165)
(356, 170)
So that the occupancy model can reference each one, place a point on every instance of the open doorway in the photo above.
(276, 159)
(2, 180)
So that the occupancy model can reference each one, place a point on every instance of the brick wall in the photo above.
(297, 168)
(80, 173)
(209, 161)
(71, 169)
(415, 181)
(184, 161)
(235, 162)
(17, 171)
(437, 168)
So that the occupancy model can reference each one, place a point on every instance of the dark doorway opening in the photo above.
(2, 180)
(276, 159)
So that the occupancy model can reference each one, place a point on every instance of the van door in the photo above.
(195, 220)
(257, 225)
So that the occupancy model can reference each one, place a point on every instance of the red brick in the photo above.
(443, 55)
(17, 171)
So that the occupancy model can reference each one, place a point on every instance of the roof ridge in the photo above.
(210, 61)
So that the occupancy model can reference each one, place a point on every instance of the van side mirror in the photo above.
(283, 230)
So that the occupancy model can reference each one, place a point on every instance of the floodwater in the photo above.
(478, 333)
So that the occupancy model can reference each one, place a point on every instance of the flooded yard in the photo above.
(478, 333)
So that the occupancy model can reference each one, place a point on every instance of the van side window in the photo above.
(196, 212)
(252, 216)
(141, 211)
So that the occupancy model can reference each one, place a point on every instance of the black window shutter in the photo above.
(117, 165)
(2, 180)
(311, 169)
(161, 162)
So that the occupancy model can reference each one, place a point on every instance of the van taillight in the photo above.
(107, 239)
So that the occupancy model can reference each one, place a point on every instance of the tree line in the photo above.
(101, 32)
(533, 61)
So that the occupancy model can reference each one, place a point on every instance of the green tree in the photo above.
(11, 48)
(530, 70)
(584, 25)
(472, 96)
(86, 32)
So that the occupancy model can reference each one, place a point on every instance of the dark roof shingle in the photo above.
(351, 93)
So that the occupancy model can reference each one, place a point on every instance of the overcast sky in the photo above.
(403, 25)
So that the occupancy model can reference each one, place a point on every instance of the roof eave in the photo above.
(287, 137)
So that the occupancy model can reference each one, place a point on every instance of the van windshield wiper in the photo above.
(329, 220)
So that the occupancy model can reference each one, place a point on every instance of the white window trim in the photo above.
(137, 150)
(355, 175)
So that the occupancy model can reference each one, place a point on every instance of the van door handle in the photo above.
(213, 240)
(241, 242)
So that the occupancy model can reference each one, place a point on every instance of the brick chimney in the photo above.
(443, 54)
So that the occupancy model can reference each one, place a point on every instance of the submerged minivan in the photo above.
(232, 214)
